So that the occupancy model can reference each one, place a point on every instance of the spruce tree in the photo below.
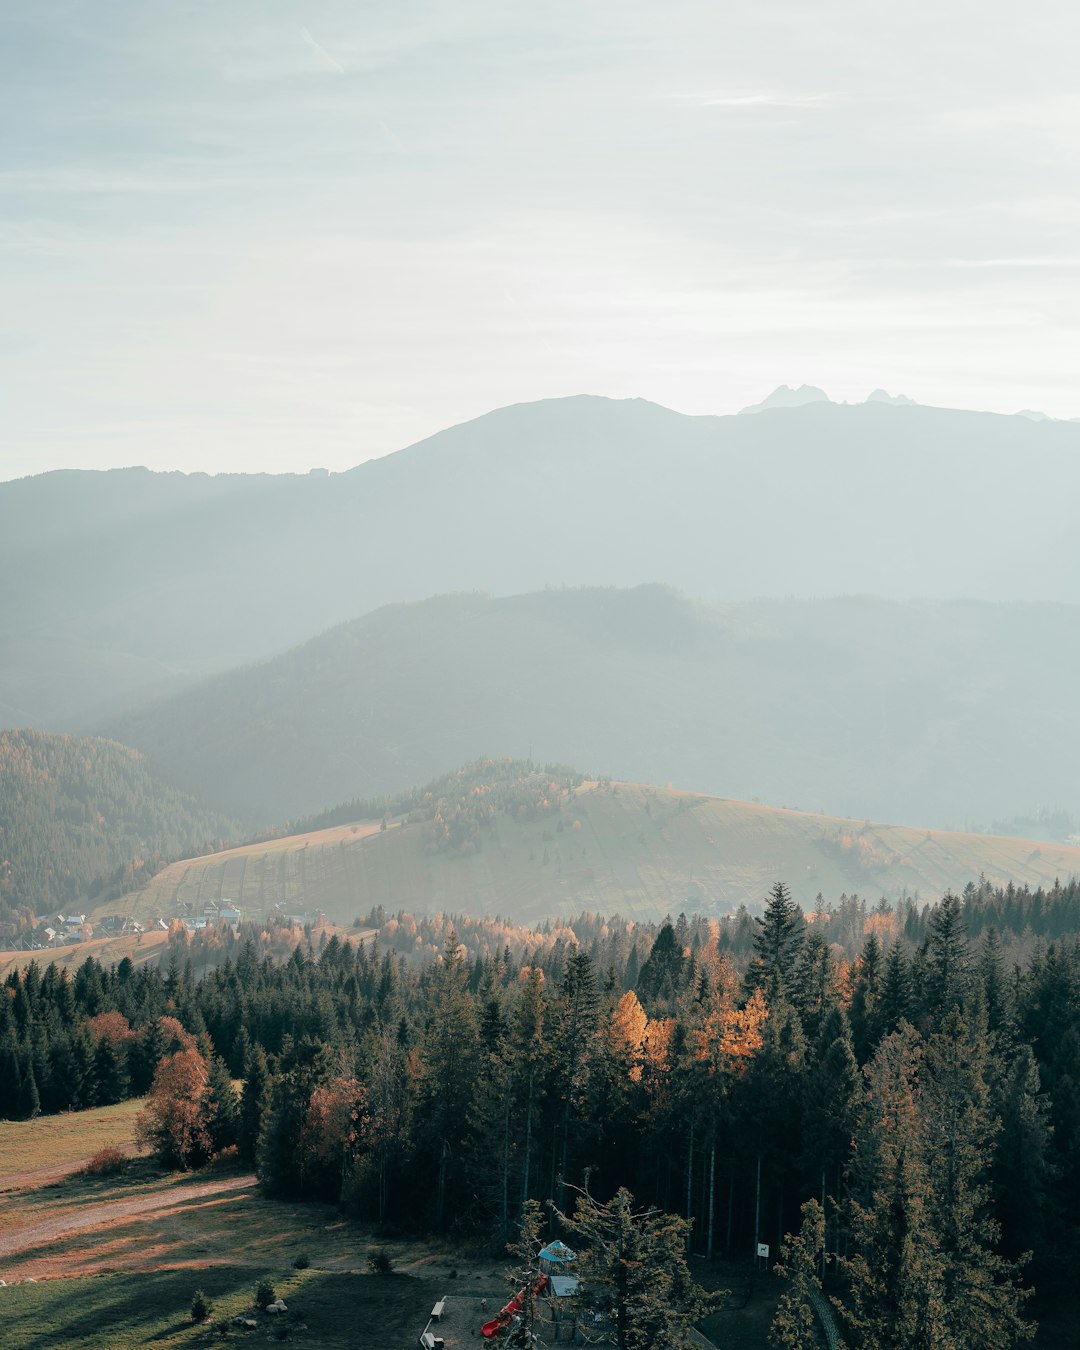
(110, 1072)
(254, 1098)
(777, 941)
(947, 963)
(635, 1260)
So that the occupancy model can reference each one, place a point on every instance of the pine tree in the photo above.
(947, 962)
(926, 1273)
(29, 1102)
(449, 1053)
(525, 1272)
(577, 1019)
(777, 942)
(895, 1288)
(223, 1110)
(254, 1098)
(982, 1300)
(896, 998)
(663, 976)
(796, 1323)
(636, 1260)
(110, 1072)
(865, 999)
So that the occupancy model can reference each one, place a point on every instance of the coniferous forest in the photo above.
(908, 1113)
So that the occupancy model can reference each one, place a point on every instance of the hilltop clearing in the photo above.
(616, 849)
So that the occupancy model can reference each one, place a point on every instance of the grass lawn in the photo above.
(62, 1142)
(113, 1312)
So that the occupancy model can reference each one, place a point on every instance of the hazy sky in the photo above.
(243, 234)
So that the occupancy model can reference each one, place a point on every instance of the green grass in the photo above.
(64, 1140)
(114, 1312)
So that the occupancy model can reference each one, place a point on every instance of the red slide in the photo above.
(492, 1328)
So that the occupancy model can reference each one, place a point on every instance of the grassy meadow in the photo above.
(629, 849)
(140, 947)
(63, 1142)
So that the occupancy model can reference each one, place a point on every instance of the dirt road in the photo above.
(39, 1231)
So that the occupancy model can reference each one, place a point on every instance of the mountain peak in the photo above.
(897, 400)
(786, 397)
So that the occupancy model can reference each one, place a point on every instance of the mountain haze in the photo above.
(121, 586)
(923, 713)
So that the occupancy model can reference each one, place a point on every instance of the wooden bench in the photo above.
(438, 1310)
(429, 1341)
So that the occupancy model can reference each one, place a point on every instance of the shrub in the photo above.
(302, 1261)
(106, 1162)
(200, 1306)
(380, 1261)
(264, 1292)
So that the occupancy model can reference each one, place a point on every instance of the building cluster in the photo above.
(59, 930)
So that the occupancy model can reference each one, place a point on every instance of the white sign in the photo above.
(763, 1250)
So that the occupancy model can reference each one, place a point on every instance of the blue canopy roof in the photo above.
(556, 1251)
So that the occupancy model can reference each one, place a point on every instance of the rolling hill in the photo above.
(928, 713)
(609, 848)
(80, 817)
(122, 586)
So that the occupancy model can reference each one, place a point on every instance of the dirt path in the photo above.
(84, 1217)
(47, 1176)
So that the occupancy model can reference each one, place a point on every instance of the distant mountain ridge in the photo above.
(122, 586)
(922, 713)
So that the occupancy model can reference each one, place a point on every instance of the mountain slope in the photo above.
(925, 713)
(622, 848)
(119, 586)
(81, 815)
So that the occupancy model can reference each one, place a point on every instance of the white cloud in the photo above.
(753, 98)
(321, 52)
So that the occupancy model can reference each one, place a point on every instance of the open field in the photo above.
(628, 849)
(33, 1152)
(141, 948)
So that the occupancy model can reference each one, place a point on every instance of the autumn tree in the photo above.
(176, 1119)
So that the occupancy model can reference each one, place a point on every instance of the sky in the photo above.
(273, 236)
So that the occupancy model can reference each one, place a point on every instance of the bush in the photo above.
(264, 1293)
(200, 1306)
(302, 1261)
(106, 1162)
(380, 1261)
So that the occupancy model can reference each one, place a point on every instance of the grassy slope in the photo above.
(64, 1140)
(147, 947)
(639, 851)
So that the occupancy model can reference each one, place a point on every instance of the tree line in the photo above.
(924, 1097)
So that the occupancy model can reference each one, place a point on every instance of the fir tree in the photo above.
(777, 942)
(635, 1259)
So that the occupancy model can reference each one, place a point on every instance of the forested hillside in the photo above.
(82, 818)
(684, 1062)
(114, 586)
(936, 714)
